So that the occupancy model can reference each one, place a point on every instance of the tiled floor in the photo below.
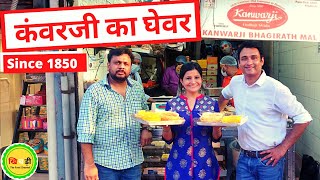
(45, 176)
(39, 176)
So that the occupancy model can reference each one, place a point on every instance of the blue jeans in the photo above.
(133, 173)
(249, 168)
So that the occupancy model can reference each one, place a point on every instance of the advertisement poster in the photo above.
(261, 20)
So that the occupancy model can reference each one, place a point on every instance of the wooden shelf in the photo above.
(42, 171)
(42, 155)
(155, 176)
(34, 82)
(32, 105)
(150, 147)
(32, 130)
(155, 164)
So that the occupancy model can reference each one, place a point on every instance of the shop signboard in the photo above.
(1, 63)
(285, 20)
(42, 62)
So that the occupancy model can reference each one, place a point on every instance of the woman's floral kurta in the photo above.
(192, 155)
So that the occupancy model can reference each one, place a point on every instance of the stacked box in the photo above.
(43, 163)
(204, 77)
(32, 122)
(212, 60)
(211, 82)
(212, 71)
(203, 64)
(33, 100)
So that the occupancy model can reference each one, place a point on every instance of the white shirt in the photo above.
(267, 104)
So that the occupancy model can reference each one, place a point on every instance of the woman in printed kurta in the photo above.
(192, 155)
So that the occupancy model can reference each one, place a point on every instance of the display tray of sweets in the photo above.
(161, 118)
(219, 119)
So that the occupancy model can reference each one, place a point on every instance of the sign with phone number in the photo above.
(43, 62)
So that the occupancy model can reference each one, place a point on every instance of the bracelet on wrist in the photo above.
(148, 128)
(167, 130)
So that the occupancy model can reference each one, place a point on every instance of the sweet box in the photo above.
(43, 163)
(33, 122)
(36, 144)
(33, 100)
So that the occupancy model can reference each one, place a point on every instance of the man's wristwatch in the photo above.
(146, 128)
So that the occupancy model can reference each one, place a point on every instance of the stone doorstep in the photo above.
(298, 165)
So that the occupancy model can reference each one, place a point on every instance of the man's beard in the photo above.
(118, 79)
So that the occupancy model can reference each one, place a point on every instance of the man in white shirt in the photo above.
(267, 103)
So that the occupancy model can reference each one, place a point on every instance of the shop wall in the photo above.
(96, 65)
(297, 65)
(10, 91)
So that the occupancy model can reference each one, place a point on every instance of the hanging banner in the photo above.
(285, 20)
(101, 25)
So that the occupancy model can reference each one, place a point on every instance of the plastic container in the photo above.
(234, 145)
(157, 132)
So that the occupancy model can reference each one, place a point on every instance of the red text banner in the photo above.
(287, 20)
(101, 25)
(42, 63)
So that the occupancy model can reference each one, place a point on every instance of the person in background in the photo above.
(136, 67)
(170, 78)
(267, 103)
(203, 50)
(135, 72)
(229, 68)
(110, 139)
(192, 155)
(226, 48)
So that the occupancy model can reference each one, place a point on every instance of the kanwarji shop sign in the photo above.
(291, 20)
(257, 16)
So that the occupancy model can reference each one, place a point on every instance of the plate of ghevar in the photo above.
(160, 118)
(220, 119)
